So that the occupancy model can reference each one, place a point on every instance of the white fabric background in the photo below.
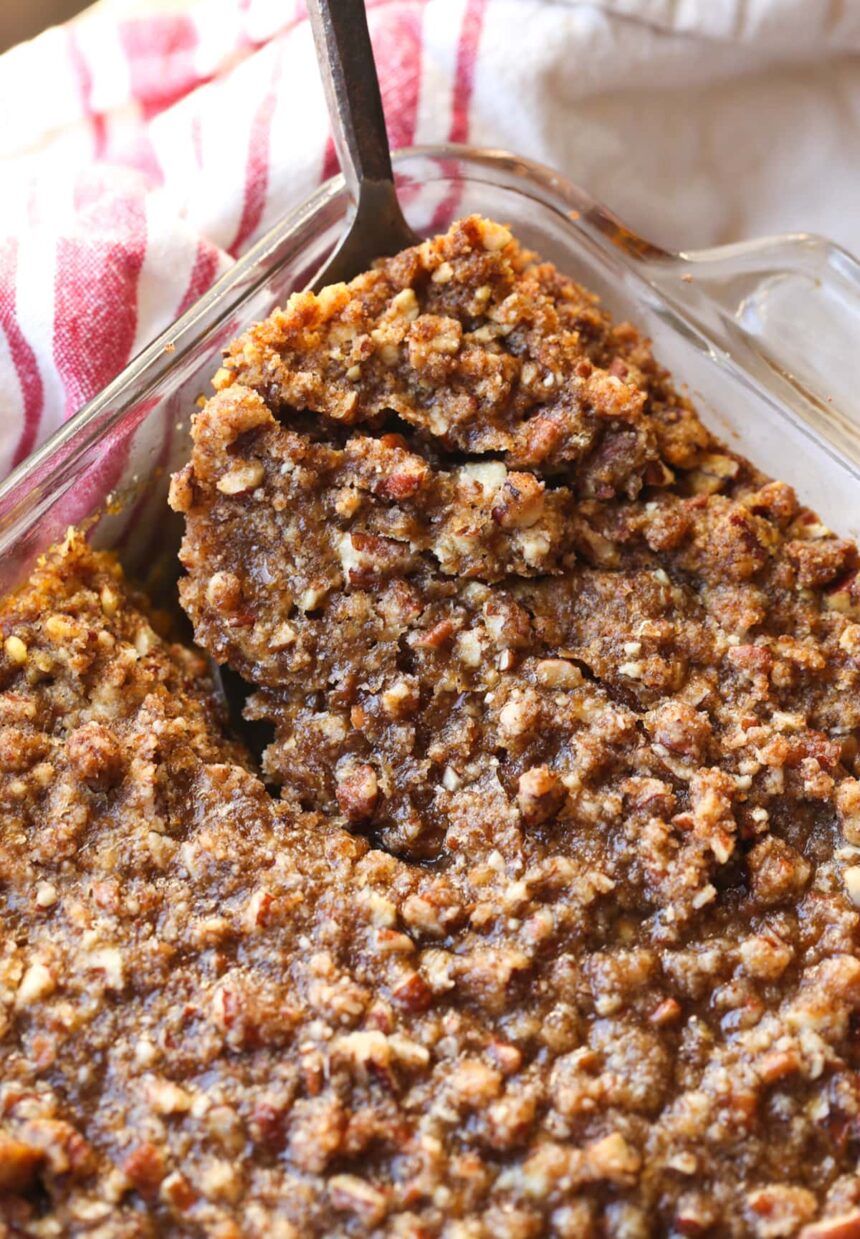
(697, 121)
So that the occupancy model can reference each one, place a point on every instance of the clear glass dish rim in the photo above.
(530, 177)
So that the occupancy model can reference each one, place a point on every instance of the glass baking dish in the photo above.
(763, 334)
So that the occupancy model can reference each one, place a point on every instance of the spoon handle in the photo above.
(352, 91)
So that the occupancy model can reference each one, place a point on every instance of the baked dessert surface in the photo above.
(553, 929)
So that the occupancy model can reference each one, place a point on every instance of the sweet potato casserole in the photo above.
(540, 916)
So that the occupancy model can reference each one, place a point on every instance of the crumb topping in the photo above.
(554, 927)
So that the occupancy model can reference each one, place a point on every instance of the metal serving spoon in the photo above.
(345, 58)
(377, 228)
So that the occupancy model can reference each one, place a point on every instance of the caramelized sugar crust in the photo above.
(554, 927)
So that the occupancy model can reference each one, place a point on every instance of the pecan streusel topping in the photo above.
(554, 928)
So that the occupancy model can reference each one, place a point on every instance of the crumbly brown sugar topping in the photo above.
(480, 348)
(554, 929)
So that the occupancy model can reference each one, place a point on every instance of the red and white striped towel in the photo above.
(147, 143)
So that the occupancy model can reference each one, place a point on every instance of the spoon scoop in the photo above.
(377, 228)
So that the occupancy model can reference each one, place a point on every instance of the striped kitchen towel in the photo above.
(148, 142)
